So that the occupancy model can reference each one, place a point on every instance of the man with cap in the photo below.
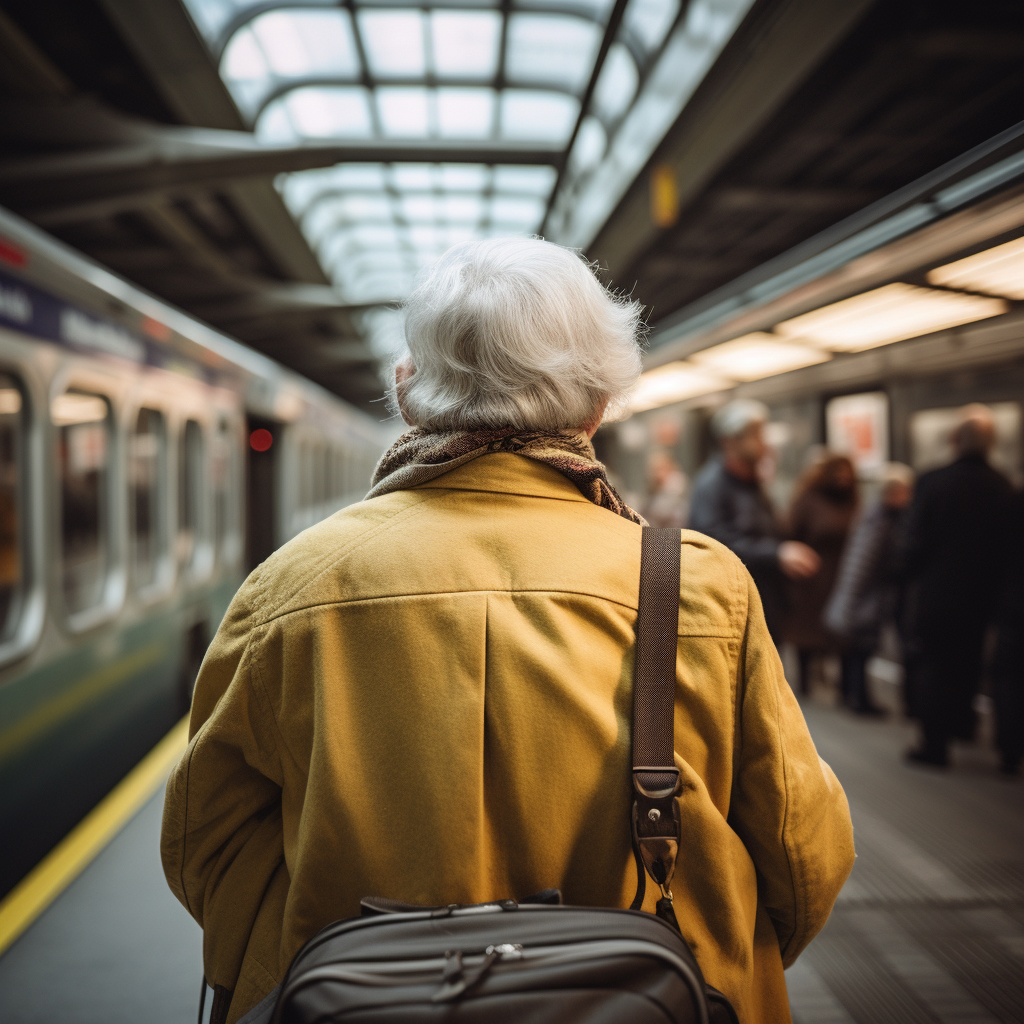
(730, 505)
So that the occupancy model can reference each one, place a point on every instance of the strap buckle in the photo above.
(656, 824)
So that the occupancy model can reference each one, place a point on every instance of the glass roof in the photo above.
(493, 74)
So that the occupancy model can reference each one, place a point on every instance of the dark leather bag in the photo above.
(536, 961)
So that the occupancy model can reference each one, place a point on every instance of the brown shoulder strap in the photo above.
(655, 813)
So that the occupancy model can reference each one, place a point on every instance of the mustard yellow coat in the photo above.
(427, 697)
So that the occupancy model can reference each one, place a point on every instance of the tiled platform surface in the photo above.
(930, 927)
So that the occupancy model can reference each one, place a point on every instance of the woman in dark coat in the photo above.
(823, 510)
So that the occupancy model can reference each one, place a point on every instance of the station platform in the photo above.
(928, 930)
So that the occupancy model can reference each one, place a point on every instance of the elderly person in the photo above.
(954, 556)
(427, 696)
(729, 504)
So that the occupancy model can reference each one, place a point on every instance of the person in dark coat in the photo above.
(954, 555)
(729, 504)
(821, 515)
(1008, 663)
(865, 595)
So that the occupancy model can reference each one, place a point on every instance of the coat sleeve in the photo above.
(221, 843)
(787, 806)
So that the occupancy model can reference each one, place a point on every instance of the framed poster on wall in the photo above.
(858, 426)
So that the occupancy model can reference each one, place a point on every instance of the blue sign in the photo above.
(29, 309)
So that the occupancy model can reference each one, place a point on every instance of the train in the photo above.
(147, 464)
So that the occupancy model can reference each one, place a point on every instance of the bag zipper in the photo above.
(376, 973)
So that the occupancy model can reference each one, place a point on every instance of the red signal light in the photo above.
(260, 440)
(12, 254)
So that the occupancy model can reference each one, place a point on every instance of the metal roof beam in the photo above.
(159, 162)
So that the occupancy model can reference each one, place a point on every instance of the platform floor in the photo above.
(114, 948)
(929, 929)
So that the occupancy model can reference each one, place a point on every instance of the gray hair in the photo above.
(736, 416)
(516, 332)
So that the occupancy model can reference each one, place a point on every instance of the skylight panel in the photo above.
(394, 43)
(458, 234)
(551, 49)
(331, 112)
(302, 188)
(465, 43)
(348, 242)
(617, 83)
(541, 116)
(533, 180)
(404, 112)
(465, 113)
(418, 208)
(463, 176)
(244, 59)
(464, 209)
(413, 177)
(351, 209)
(274, 124)
(423, 237)
(650, 20)
(301, 43)
(589, 146)
(517, 212)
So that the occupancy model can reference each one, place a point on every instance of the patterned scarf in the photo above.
(421, 455)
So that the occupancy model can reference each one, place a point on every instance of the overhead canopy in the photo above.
(599, 81)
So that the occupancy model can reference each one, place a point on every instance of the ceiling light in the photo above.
(996, 271)
(674, 383)
(884, 315)
(757, 355)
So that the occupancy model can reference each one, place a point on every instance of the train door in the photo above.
(261, 532)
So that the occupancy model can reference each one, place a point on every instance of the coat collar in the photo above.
(506, 473)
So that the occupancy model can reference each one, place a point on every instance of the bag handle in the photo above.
(655, 824)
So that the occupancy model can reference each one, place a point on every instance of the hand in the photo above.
(798, 561)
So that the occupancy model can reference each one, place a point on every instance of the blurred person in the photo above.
(865, 595)
(729, 504)
(427, 695)
(1008, 661)
(666, 495)
(953, 557)
(820, 516)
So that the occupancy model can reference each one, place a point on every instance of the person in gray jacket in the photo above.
(729, 504)
(865, 594)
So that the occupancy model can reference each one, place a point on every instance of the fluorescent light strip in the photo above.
(759, 355)
(674, 382)
(888, 314)
(996, 271)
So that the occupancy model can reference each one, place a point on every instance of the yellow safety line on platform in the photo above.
(66, 860)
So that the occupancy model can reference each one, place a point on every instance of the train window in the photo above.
(147, 459)
(190, 492)
(222, 466)
(305, 474)
(12, 575)
(320, 492)
(83, 423)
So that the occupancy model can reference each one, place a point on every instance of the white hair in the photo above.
(516, 332)
(736, 416)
